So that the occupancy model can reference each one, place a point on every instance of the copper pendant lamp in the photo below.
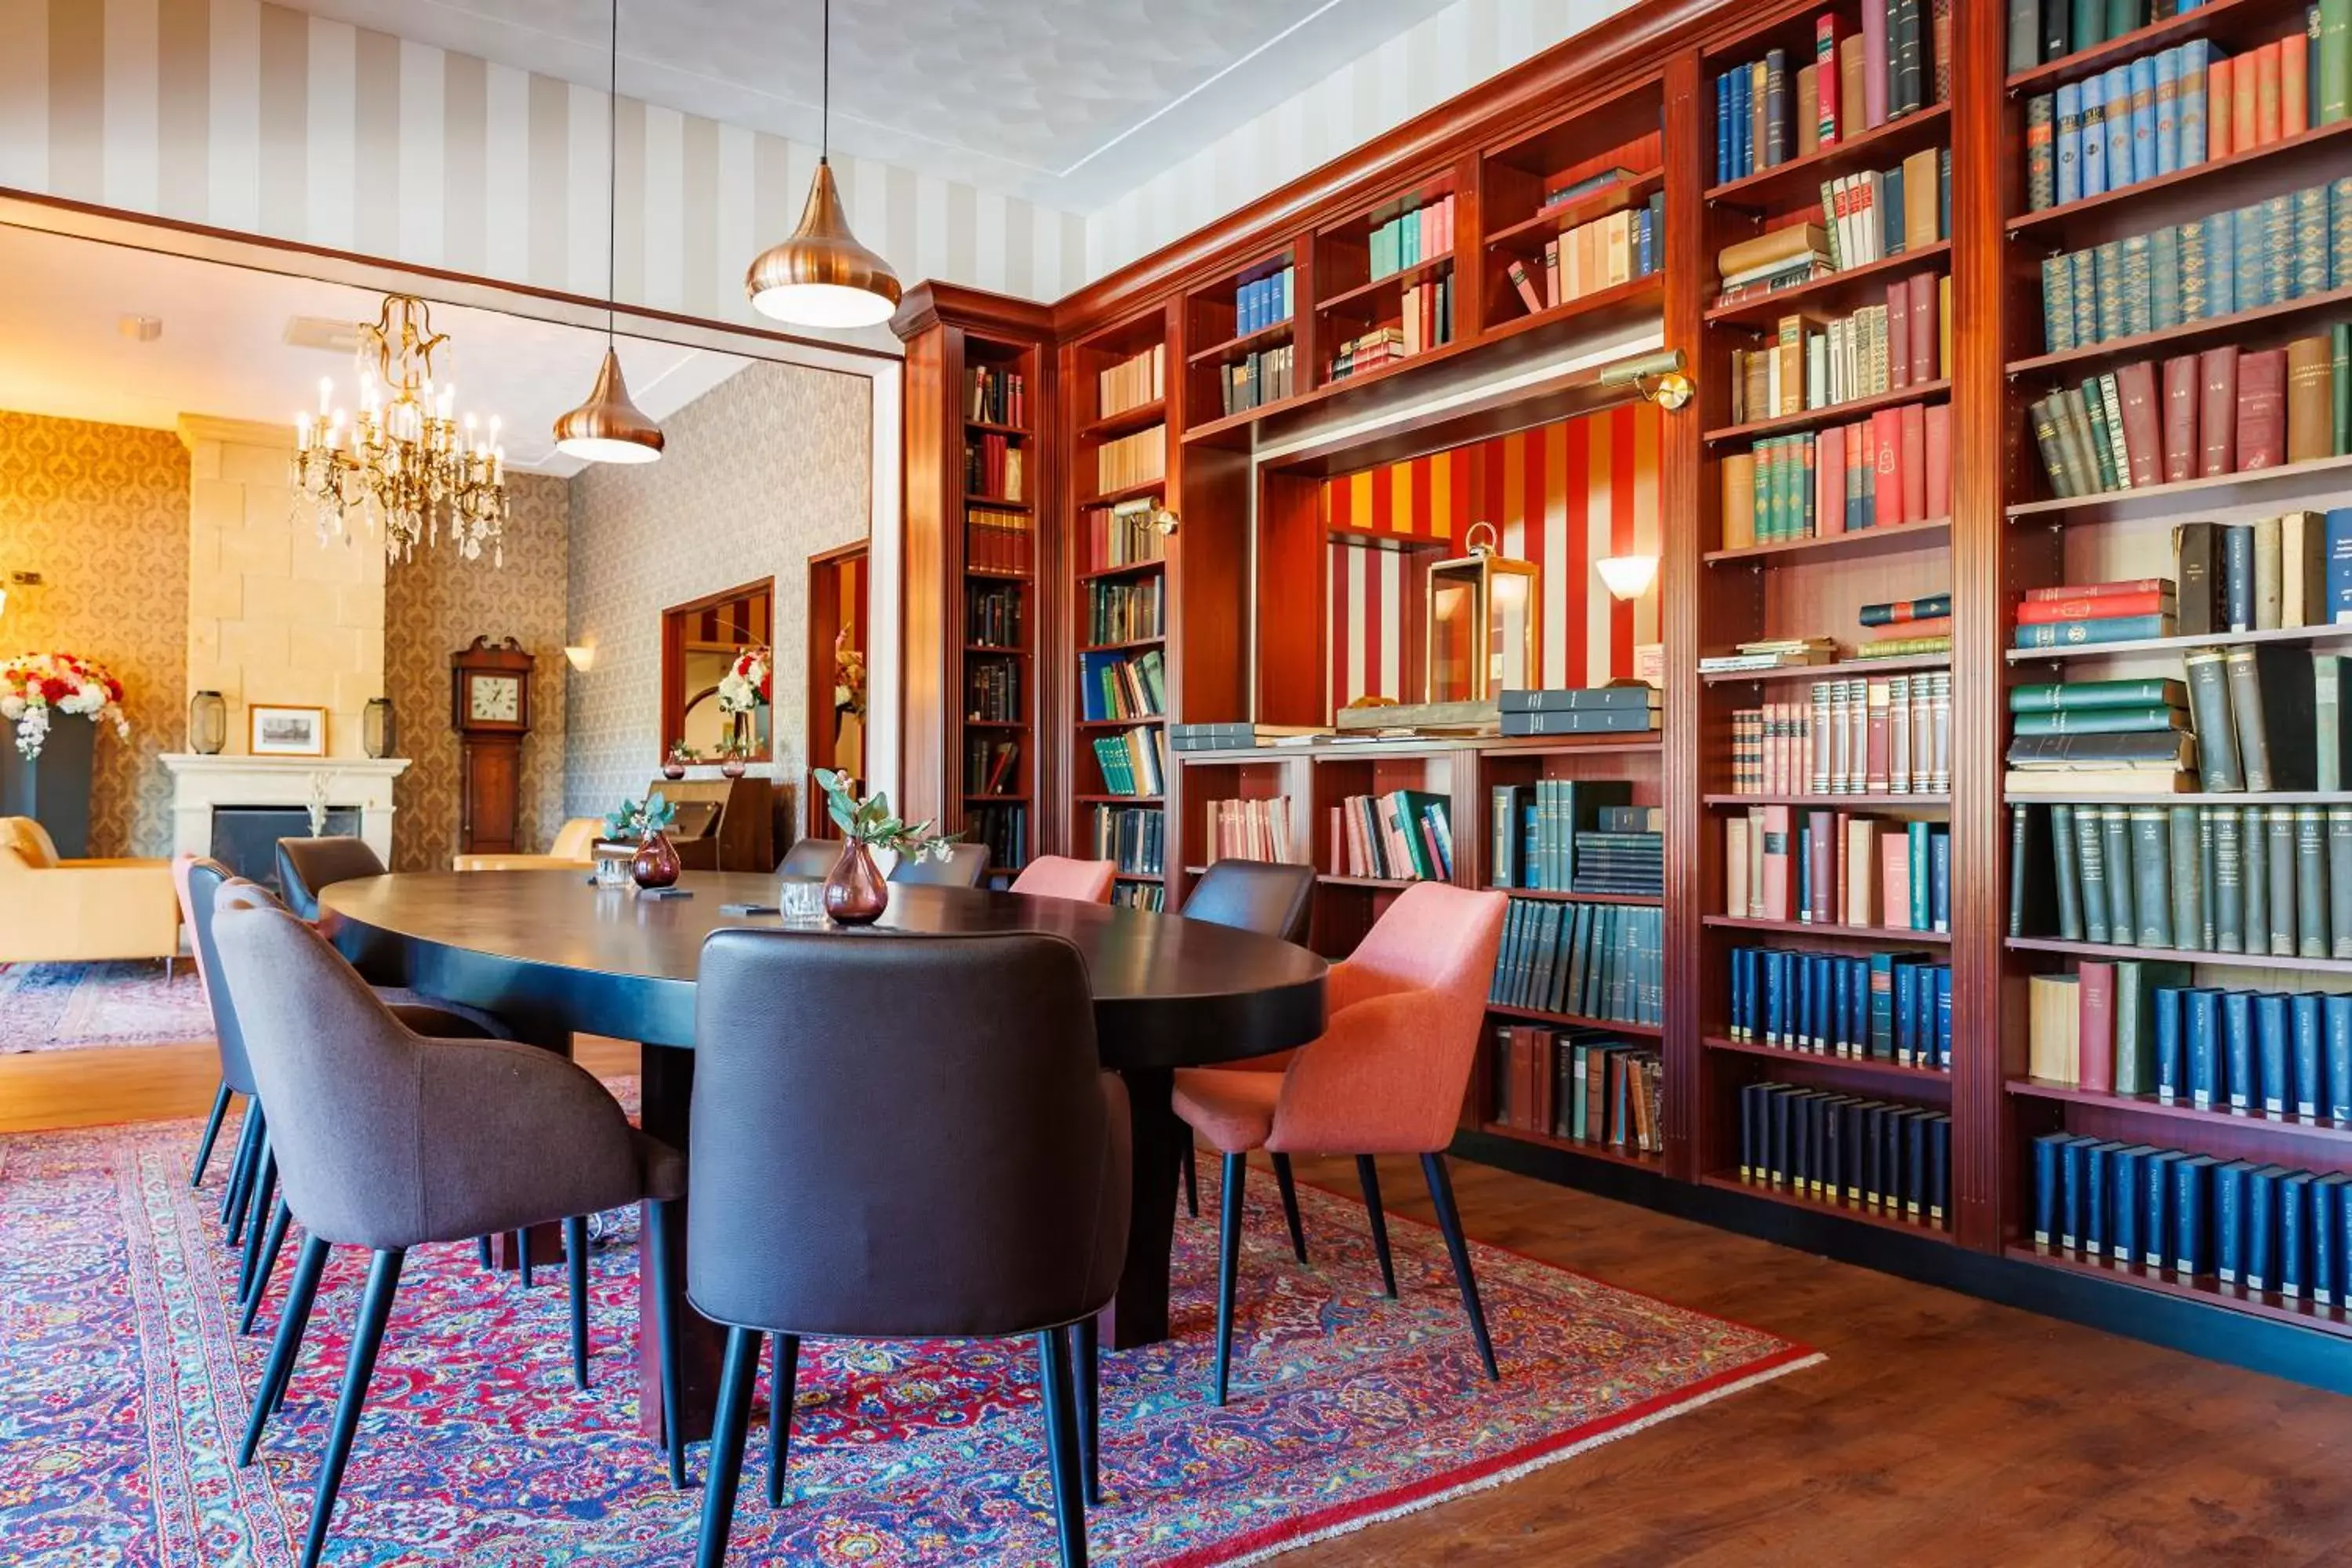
(608, 428)
(822, 277)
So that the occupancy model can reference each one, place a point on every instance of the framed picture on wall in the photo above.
(278, 730)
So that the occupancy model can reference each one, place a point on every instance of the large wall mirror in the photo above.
(701, 644)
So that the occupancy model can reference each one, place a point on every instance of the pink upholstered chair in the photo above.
(1386, 1077)
(1059, 877)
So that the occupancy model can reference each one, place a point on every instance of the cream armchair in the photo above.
(573, 842)
(59, 911)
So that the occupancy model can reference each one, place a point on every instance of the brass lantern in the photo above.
(1481, 621)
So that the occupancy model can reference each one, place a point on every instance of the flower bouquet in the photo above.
(746, 686)
(32, 685)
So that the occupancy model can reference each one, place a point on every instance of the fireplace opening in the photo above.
(245, 837)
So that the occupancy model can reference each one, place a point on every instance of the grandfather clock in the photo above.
(490, 696)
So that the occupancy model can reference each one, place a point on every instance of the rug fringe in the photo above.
(1527, 1468)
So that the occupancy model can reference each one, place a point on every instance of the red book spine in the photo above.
(2100, 591)
(2095, 999)
(1926, 627)
(1829, 482)
(2217, 409)
(1873, 64)
(1886, 454)
(1914, 462)
(2180, 453)
(2262, 409)
(2143, 422)
(2219, 109)
(1925, 339)
(1825, 79)
(1939, 460)
(2038, 612)
(1898, 335)
(1819, 908)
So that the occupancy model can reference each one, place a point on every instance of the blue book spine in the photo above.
(2271, 1087)
(1890, 213)
(2293, 1234)
(1906, 1014)
(2123, 1203)
(2069, 143)
(2238, 1049)
(2309, 275)
(2190, 1243)
(2326, 1238)
(2238, 575)
(2070, 1190)
(1944, 1016)
(2155, 1205)
(2139, 285)
(2201, 1028)
(2259, 1219)
(2220, 263)
(2165, 1004)
(1723, 128)
(2095, 136)
(1857, 1003)
(2164, 270)
(2142, 74)
(2308, 1022)
(2278, 250)
(1939, 879)
(2339, 565)
(2230, 1220)
(2096, 1170)
(2252, 274)
(2069, 634)
(2196, 273)
(2165, 69)
(2046, 1186)
(2337, 1012)
(1773, 970)
(2196, 59)
(2086, 296)
(2121, 169)
(1743, 156)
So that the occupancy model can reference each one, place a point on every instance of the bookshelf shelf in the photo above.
(1576, 1021)
(1383, 884)
(1529, 234)
(1138, 876)
(1905, 1080)
(1638, 900)
(1826, 932)
(2178, 1110)
(1729, 1182)
(1124, 569)
(2166, 1282)
(1141, 719)
(996, 723)
(978, 799)
(1127, 647)
(1840, 670)
(1850, 409)
(997, 503)
(2290, 634)
(1272, 333)
(990, 427)
(1224, 424)
(1125, 422)
(1140, 490)
(1865, 802)
(1369, 295)
(1102, 799)
(1824, 295)
(1935, 533)
(1560, 746)
(1591, 1151)
(2214, 19)
(2101, 950)
(2236, 327)
(2247, 486)
(1768, 189)
(1598, 310)
(2316, 146)
(996, 574)
(2186, 797)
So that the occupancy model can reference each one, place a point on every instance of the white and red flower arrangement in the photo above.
(33, 684)
(744, 688)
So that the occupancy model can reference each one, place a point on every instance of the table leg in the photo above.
(667, 1081)
(1138, 1315)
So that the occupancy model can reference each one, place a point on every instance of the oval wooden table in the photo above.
(554, 956)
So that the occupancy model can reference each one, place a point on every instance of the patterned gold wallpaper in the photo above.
(765, 470)
(101, 512)
(436, 603)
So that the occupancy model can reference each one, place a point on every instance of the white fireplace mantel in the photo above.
(199, 783)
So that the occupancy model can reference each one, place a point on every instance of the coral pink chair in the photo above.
(1386, 1077)
(1059, 877)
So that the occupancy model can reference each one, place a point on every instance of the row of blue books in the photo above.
(1585, 961)
(2260, 1228)
(2265, 1053)
(1885, 1158)
(1262, 302)
(2268, 253)
(1884, 1006)
(2140, 120)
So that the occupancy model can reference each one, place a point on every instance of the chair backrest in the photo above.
(576, 839)
(1271, 897)
(26, 845)
(810, 857)
(306, 867)
(1059, 877)
(200, 878)
(966, 866)
(903, 1137)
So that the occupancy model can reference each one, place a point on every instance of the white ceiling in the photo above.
(1068, 102)
(223, 353)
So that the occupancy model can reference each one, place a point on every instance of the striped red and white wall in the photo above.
(1563, 496)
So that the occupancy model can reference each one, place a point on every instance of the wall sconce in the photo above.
(1627, 576)
(1164, 520)
(579, 655)
(1658, 377)
(16, 579)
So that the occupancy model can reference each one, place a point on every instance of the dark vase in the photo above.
(655, 865)
(673, 769)
(732, 767)
(855, 893)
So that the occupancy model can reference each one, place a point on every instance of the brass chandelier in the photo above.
(407, 467)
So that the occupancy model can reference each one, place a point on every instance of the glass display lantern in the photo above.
(379, 733)
(207, 723)
(1481, 622)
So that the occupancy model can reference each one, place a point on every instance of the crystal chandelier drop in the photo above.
(407, 467)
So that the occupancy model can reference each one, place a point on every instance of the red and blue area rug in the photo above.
(122, 1386)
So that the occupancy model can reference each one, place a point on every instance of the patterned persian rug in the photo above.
(122, 1386)
(70, 1006)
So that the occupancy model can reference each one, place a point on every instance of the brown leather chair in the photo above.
(966, 866)
(906, 1139)
(810, 857)
(388, 1139)
(308, 866)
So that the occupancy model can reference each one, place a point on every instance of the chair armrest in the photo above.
(1347, 983)
(1381, 1079)
(521, 1136)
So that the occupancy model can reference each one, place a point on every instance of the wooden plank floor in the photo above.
(1942, 1430)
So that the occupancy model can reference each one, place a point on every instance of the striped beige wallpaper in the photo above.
(255, 118)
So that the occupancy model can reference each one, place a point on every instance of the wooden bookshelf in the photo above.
(1814, 929)
(1842, 669)
(2203, 1289)
(1848, 802)
(2336, 1133)
(1890, 539)
(2110, 951)
(2309, 157)
(1865, 1213)
(2291, 636)
(1895, 1077)
(1852, 409)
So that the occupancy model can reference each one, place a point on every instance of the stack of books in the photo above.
(1535, 828)
(1410, 238)
(1371, 350)
(1119, 611)
(1232, 735)
(2274, 880)
(1816, 364)
(1582, 960)
(997, 541)
(1137, 459)
(1133, 382)
(1881, 735)
(2244, 1228)
(1250, 830)
(1123, 686)
(1131, 838)
(991, 691)
(995, 396)
(1770, 653)
(1891, 469)
(1262, 303)
(994, 468)
(1835, 868)
(1590, 256)
(2273, 574)
(1906, 628)
(1864, 217)
(992, 614)
(1632, 708)
(1131, 762)
(1121, 535)
(2072, 614)
(1885, 1006)
(2271, 253)
(1624, 856)
(1849, 83)
(1404, 836)
(2139, 727)
(1881, 1158)
(1580, 1085)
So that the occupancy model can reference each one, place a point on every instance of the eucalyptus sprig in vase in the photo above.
(656, 864)
(855, 893)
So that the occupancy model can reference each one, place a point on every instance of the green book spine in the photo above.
(2339, 882)
(2124, 16)
(2333, 102)
(2196, 270)
(2188, 887)
(2114, 850)
(2069, 696)
(2217, 736)
(2281, 880)
(2151, 839)
(2206, 875)
(2311, 883)
(2327, 719)
(2070, 880)
(2103, 451)
(2099, 720)
(2091, 857)
(2089, 23)
(2110, 295)
(2135, 983)
(2339, 338)
(2254, 869)
(2228, 882)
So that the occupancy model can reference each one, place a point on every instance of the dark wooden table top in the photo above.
(1168, 992)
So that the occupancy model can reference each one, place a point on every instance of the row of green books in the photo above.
(1586, 961)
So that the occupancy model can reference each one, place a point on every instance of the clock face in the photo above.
(494, 699)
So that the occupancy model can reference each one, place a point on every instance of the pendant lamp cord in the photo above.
(612, 175)
(824, 88)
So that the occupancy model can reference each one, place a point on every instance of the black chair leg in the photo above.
(784, 1384)
(265, 1193)
(212, 1135)
(240, 1172)
(375, 1309)
(575, 1265)
(482, 1252)
(292, 1322)
(1229, 1259)
(1290, 1206)
(1441, 1193)
(1191, 1178)
(1062, 1445)
(1367, 1174)
(522, 1255)
(280, 1217)
(1086, 1360)
(740, 1370)
(659, 1219)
